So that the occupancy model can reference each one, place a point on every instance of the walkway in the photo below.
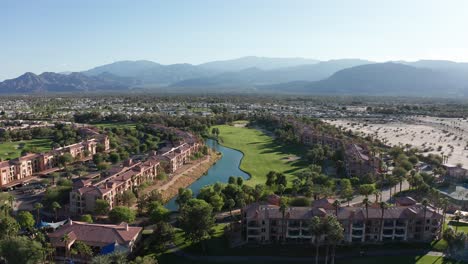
(385, 194)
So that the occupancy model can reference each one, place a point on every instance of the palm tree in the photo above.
(283, 213)
(335, 236)
(11, 200)
(383, 207)
(336, 204)
(38, 207)
(366, 203)
(55, 207)
(424, 203)
(444, 203)
(458, 216)
(65, 240)
(316, 231)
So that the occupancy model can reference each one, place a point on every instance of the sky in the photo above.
(57, 35)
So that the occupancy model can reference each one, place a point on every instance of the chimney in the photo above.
(126, 226)
(128, 163)
(70, 222)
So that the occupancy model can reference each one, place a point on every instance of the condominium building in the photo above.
(19, 169)
(130, 175)
(264, 223)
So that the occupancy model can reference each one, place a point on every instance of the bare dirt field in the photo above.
(443, 136)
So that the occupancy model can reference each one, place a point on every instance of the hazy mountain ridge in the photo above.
(345, 76)
(73, 82)
(381, 79)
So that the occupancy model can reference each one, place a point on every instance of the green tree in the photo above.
(101, 207)
(157, 212)
(8, 227)
(128, 197)
(87, 218)
(38, 207)
(366, 189)
(82, 249)
(122, 214)
(21, 250)
(55, 207)
(196, 220)
(114, 157)
(65, 159)
(316, 230)
(162, 235)
(183, 197)
(25, 220)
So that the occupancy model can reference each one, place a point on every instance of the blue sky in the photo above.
(62, 35)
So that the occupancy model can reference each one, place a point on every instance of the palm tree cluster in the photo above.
(326, 231)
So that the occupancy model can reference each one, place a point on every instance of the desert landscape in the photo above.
(443, 136)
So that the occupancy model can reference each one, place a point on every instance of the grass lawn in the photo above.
(11, 150)
(261, 153)
(118, 125)
(462, 227)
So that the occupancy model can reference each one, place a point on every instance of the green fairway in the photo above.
(117, 125)
(11, 150)
(261, 153)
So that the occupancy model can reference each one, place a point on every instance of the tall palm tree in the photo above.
(444, 203)
(55, 207)
(11, 200)
(377, 194)
(383, 207)
(38, 207)
(316, 230)
(65, 240)
(366, 202)
(335, 236)
(424, 203)
(336, 204)
(283, 213)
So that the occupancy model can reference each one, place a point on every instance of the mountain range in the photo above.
(259, 75)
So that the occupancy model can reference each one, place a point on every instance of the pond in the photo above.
(227, 166)
(457, 192)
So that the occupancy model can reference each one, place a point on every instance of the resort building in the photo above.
(359, 161)
(17, 170)
(130, 175)
(120, 237)
(264, 223)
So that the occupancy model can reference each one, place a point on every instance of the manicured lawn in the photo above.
(11, 150)
(261, 153)
(118, 125)
(462, 227)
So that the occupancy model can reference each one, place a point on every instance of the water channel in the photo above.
(227, 166)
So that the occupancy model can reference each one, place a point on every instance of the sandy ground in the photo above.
(443, 136)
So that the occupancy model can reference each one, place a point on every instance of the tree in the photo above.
(65, 159)
(101, 207)
(21, 250)
(230, 205)
(157, 212)
(425, 204)
(383, 207)
(55, 207)
(87, 218)
(335, 235)
(184, 196)
(366, 202)
(316, 155)
(258, 192)
(282, 208)
(38, 207)
(400, 174)
(196, 220)
(103, 166)
(162, 235)
(114, 157)
(25, 220)
(128, 197)
(82, 249)
(122, 214)
(8, 227)
(316, 229)
(271, 178)
(366, 189)
(336, 205)
(144, 260)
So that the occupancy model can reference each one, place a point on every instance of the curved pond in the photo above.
(227, 166)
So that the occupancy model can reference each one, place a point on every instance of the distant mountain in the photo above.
(380, 79)
(149, 72)
(262, 63)
(256, 76)
(73, 82)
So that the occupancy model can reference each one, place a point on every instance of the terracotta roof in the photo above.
(96, 234)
